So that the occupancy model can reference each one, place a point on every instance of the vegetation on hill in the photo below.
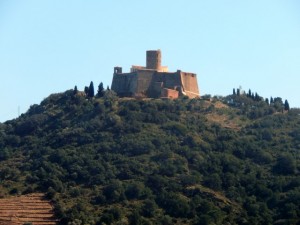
(105, 160)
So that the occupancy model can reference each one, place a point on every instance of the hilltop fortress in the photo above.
(154, 80)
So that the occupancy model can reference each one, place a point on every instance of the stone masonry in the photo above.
(154, 80)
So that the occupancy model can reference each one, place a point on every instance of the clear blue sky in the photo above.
(49, 46)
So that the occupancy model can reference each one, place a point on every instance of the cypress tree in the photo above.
(100, 90)
(267, 101)
(75, 90)
(233, 91)
(286, 105)
(91, 90)
(256, 97)
(86, 90)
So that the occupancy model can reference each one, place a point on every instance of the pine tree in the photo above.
(100, 92)
(91, 90)
(271, 100)
(233, 91)
(286, 105)
(238, 92)
(278, 104)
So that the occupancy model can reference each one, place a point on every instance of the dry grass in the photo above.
(31, 208)
(220, 105)
(224, 121)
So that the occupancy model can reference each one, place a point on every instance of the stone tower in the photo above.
(153, 60)
(154, 80)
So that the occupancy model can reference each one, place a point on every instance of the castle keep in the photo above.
(154, 80)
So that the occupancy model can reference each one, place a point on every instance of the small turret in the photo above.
(117, 70)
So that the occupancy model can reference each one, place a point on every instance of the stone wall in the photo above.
(170, 80)
(144, 81)
(125, 84)
(189, 84)
(169, 93)
(150, 81)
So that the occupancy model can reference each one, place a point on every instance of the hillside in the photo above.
(105, 160)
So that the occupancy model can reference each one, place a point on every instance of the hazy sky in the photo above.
(49, 46)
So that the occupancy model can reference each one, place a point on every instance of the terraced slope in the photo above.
(31, 208)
